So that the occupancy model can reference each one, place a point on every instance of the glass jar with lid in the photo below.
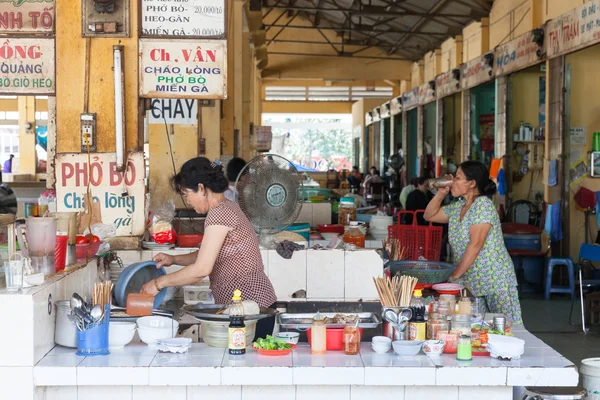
(346, 211)
(443, 307)
(436, 323)
(462, 323)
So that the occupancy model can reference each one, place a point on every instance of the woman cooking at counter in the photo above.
(229, 254)
(476, 237)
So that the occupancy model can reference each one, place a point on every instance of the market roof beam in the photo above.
(359, 29)
(340, 54)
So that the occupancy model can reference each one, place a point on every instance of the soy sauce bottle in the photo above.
(418, 326)
(237, 328)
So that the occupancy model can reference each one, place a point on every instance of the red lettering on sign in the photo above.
(19, 52)
(11, 20)
(159, 55)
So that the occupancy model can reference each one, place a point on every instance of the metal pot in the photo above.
(554, 393)
(65, 332)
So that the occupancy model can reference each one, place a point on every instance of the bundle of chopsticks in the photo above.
(395, 292)
(394, 249)
(101, 293)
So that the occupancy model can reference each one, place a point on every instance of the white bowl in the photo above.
(407, 348)
(289, 337)
(120, 334)
(151, 329)
(381, 344)
(434, 348)
(327, 235)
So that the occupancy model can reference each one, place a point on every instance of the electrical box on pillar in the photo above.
(88, 132)
(105, 18)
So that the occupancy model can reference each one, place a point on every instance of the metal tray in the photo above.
(129, 318)
(368, 320)
(208, 312)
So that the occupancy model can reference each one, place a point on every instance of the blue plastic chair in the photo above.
(588, 253)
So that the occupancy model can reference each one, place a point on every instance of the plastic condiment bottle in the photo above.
(418, 327)
(318, 343)
(464, 352)
(237, 328)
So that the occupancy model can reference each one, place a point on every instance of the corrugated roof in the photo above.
(404, 28)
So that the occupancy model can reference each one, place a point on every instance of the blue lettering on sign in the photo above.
(74, 202)
(506, 59)
(111, 200)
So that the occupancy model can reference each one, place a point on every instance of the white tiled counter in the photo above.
(141, 373)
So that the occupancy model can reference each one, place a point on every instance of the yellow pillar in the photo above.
(27, 154)
(485, 35)
(247, 85)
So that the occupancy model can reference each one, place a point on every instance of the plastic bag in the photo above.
(161, 230)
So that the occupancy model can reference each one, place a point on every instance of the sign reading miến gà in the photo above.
(27, 66)
(183, 69)
(26, 16)
(107, 185)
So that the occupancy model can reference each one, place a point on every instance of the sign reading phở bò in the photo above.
(26, 16)
(174, 111)
(183, 69)
(107, 186)
(27, 66)
(573, 30)
(192, 18)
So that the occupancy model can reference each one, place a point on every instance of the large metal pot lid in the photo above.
(208, 312)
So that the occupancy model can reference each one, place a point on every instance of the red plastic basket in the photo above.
(418, 240)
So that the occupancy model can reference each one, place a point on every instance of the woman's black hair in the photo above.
(234, 167)
(200, 170)
(476, 171)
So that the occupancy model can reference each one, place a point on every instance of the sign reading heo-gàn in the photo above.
(26, 16)
(183, 69)
(192, 18)
(125, 213)
(27, 66)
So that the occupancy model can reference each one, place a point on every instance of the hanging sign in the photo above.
(26, 16)
(410, 99)
(426, 94)
(183, 69)
(396, 105)
(573, 30)
(27, 66)
(189, 18)
(174, 111)
(478, 71)
(517, 54)
(107, 186)
(447, 83)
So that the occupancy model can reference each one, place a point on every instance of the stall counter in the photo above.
(140, 372)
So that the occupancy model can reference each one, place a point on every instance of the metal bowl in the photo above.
(208, 312)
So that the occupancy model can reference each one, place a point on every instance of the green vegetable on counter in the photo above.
(271, 343)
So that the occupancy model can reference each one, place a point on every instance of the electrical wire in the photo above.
(515, 27)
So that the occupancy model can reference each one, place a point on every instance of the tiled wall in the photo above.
(334, 275)
(273, 392)
(28, 318)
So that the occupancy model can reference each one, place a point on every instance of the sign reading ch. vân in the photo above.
(194, 69)
(27, 66)
(120, 194)
(26, 16)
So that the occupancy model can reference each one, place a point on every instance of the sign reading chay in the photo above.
(575, 29)
(516, 55)
(27, 66)
(126, 213)
(183, 69)
(174, 111)
(26, 16)
(199, 18)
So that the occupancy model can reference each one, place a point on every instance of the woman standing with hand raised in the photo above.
(475, 235)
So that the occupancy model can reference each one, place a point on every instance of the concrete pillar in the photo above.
(555, 142)
(420, 141)
(439, 131)
(466, 125)
(51, 148)
(501, 139)
(27, 154)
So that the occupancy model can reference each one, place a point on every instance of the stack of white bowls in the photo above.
(378, 227)
(381, 344)
(152, 329)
